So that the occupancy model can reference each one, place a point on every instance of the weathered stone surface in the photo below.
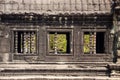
(90, 65)
(41, 6)
(51, 69)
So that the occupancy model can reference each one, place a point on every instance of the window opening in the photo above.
(25, 42)
(100, 42)
(93, 42)
(59, 42)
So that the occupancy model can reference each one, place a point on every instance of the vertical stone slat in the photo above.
(16, 42)
(33, 43)
(21, 44)
(55, 42)
(94, 46)
(25, 48)
(90, 44)
(28, 42)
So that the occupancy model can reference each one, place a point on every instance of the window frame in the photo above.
(60, 30)
(22, 30)
(93, 30)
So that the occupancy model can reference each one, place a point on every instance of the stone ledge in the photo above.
(51, 69)
(47, 77)
(114, 66)
(36, 63)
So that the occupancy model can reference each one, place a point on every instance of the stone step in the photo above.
(52, 69)
(49, 77)
(76, 63)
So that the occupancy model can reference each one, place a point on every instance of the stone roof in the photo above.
(55, 6)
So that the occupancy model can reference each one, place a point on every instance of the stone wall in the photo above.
(4, 43)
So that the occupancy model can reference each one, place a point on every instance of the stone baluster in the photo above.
(28, 40)
(21, 44)
(55, 41)
(90, 43)
(33, 42)
(16, 42)
(25, 43)
(94, 43)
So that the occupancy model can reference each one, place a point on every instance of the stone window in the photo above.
(93, 42)
(25, 42)
(59, 42)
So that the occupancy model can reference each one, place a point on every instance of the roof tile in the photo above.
(90, 5)
(55, 6)
(96, 5)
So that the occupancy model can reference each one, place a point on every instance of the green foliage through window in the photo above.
(58, 42)
(86, 43)
(90, 42)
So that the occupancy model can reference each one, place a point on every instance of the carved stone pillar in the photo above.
(116, 24)
(4, 44)
(118, 48)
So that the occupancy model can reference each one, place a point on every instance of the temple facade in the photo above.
(42, 38)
